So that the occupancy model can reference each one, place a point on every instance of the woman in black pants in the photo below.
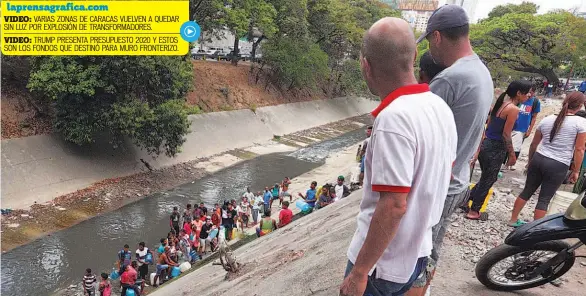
(558, 139)
(497, 142)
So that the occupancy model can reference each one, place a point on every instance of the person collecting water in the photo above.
(124, 258)
(498, 142)
(174, 220)
(163, 264)
(267, 225)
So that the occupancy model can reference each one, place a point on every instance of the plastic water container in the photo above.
(302, 205)
(560, 202)
(130, 292)
(114, 274)
(213, 233)
(175, 271)
(222, 234)
(185, 266)
(148, 258)
(153, 279)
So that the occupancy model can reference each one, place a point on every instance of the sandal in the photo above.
(519, 223)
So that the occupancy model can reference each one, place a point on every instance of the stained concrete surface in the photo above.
(39, 168)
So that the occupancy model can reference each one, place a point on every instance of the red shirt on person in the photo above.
(216, 219)
(129, 276)
(285, 217)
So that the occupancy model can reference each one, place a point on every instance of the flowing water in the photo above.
(52, 263)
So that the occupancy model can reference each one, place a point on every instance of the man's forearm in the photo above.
(383, 227)
(531, 125)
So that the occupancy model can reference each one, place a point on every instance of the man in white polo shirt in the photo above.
(407, 169)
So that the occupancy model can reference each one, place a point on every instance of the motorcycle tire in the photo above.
(503, 251)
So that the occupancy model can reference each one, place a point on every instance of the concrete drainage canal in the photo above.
(49, 265)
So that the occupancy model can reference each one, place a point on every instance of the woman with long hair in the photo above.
(558, 139)
(497, 143)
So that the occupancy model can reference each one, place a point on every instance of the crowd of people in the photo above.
(416, 165)
(427, 135)
(195, 232)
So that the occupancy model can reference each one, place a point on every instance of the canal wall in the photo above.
(40, 168)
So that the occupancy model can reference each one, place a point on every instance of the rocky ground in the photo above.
(22, 226)
(467, 241)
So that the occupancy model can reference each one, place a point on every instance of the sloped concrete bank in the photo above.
(40, 168)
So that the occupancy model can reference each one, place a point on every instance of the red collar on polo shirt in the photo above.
(401, 91)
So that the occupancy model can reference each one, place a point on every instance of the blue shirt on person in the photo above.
(582, 86)
(310, 197)
(267, 197)
(526, 112)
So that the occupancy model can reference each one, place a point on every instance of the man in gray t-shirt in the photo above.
(467, 87)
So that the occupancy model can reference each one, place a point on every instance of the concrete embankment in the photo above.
(306, 257)
(40, 168)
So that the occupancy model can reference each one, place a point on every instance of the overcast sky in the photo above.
(485, 6)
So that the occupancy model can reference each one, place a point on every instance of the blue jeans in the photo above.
(380, 287)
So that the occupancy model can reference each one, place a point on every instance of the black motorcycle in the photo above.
(536, 253)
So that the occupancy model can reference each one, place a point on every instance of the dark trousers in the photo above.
(492, 153)
(507, 157)
(379, 287)
(143, 271)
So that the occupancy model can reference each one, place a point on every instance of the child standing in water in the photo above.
(105, 287)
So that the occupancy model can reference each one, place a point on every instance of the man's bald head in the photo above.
(389, 47)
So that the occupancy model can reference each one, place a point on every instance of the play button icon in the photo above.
(190, 31)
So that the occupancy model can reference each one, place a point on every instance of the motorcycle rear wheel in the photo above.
(487, 263)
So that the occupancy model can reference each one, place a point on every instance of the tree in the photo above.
(530, 43)
(337, 26)
(501, 10)
(142, 98)
(208, 15)
(296, 63)
(241, 17)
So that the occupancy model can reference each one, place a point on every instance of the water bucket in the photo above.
(130, 292)
(302, 205)
(149, 258)
(175, 271)
(560, 202)
(114, 274)
(213, 233)
(185, 266)
(153, 279)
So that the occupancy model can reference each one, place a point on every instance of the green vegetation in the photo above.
(307, 44)
(141, 98)
(515, 39)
